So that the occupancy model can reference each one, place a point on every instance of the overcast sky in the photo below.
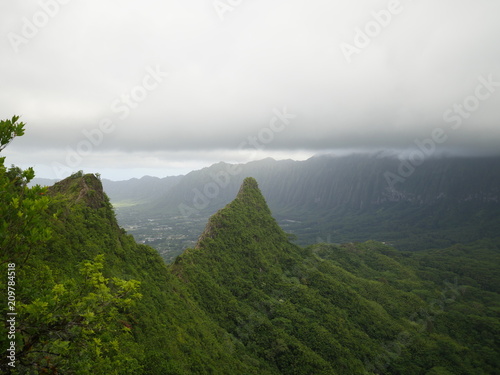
(154, 87)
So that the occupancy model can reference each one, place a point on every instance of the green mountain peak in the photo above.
(245, 221)
(251, 195)
(248, 186)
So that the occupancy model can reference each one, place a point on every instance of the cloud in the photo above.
(225, 78)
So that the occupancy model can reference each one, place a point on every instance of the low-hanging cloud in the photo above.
(225, 77)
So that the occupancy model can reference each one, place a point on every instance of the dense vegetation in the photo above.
(348, 309)
(243, 300)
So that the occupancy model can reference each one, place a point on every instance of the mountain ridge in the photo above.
(261, 288)
(338, 199)
(320, 165)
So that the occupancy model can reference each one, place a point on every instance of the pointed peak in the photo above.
(247, 212)
(251, 195)
(249, 184)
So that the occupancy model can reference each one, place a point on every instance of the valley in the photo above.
(324, 199)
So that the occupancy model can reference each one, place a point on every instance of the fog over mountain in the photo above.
(162, 87)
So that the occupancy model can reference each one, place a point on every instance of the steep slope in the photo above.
(348, 309)
(81, 312)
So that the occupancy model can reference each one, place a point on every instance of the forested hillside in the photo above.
(242, 300)
(348, 309)
(91, 301)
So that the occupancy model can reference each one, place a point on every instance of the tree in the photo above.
(9, 129)
(80, 325)
(22, 209)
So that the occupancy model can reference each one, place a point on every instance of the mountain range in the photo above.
(441, 202)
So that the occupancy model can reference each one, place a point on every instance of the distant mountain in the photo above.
(358, 182)
(338, 199)
(43, 181)
(140, 190)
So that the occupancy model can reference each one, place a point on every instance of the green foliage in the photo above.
(244, 300)
(9, 129)
(22, 214)
(345, 309)
(80, 326)
(22, 218)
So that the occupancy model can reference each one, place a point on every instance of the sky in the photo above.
(160, 88)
